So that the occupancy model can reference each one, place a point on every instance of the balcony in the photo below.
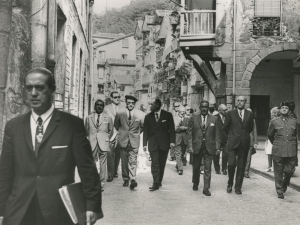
(149, 60)
(139, 63)
(198, 28)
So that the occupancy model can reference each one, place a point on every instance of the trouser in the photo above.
(129, 162)
(113, 160)
(197, 161)
(102, 156)
(217, 161)
(172, 153)
(33, 215)
(158, 164)
(183, 151)
(282, 165)
(237, 158)
(248, 162)
(178, 156)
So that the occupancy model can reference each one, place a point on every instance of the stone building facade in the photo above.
(45, 33)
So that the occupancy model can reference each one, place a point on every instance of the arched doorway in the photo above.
(272, 82)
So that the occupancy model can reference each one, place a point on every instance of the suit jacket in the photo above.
(223, 134)
(109, 110)
(181, 135)
(196, 133)
(283, 136)
(238, 131)
(129, 132)
(159, 134)
(64, 147)
(100, 134)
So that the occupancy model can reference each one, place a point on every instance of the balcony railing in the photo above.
(198, 22)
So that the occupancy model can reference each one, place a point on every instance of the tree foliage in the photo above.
(124, 20)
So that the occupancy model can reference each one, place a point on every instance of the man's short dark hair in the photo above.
(50, 77)
(158, 102)
(292, 105)
(211, 109)
(112, 93)
(204, 101)
(98, 100)
(191, 111)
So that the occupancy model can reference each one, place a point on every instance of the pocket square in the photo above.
(163, 121)
(212, 124)
(137, 120)
(56, 147)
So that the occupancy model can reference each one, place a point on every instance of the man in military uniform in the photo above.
(283, 135)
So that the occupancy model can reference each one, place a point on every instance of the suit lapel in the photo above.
(246, 114)
(200, 121)
(126, 116)
(236, 113)
(92, 116)
(132, 117)
(101, 119)
(27, 130)
(207, 121)
(160, 118)
(52, 125)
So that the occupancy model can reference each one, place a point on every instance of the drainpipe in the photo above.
(234, 49)
(51, 34)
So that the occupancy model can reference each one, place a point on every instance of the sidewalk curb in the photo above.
(270, 177)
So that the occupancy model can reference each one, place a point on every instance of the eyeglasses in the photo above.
(116, 97)
(39, 88)
(130, 103)
(176, 106)
(284, 107)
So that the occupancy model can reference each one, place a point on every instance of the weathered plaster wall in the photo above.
(251, 50)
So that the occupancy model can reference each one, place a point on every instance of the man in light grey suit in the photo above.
(99, 128)
(129, 123)
(113, 156)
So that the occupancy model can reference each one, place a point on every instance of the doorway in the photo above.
(260, 105)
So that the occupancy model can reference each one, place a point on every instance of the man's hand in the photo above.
(190, 150)
(183, 128)
(255, 146)
(172, 145)
(1, 220)
(218, 152)
(92, 217)
(145, 148)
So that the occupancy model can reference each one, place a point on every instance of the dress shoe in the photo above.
(206, 192)
(154, 187)
(247, 175)
(195, 187)
(180, 172)
(224, 172)
(133, 184)
(218, 172)
(229, 188)
(176, 167)
(280, 195)
(126, 183)
(238, 191)
(110, 179)
(116, 176)
(202, 171)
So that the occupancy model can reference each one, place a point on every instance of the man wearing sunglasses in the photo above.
(129, 123)
(282, 133)
(113, 156)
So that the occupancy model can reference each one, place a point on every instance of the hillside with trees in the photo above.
(123, 20)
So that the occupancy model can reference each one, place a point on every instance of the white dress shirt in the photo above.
(158, 114)
(46, 117)
(202, 117)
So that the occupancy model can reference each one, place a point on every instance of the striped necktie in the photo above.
(98, 118)
(38, 134)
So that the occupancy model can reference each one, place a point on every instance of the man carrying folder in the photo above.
(39, 154)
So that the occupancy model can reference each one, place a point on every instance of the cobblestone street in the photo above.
(176, 203)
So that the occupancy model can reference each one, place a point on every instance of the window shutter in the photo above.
(267, 8)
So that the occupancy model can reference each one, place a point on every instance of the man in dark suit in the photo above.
(40, 152)
(203, 142)
(238, 126)
(223, 141)
(159, 134)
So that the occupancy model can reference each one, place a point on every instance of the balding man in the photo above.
(238, 126)
(223, 141)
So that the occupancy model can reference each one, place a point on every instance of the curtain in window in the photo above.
(200, 4)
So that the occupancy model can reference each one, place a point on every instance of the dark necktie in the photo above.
(203, 125)
(38, 135)
(241, 115)
(223, 119)
(156, 117)
(129, 118)
(98, 118)
(181, 122)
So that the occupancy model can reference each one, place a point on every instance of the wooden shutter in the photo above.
(267, 8)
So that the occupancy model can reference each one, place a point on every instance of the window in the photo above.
(101, 54)
(124, 56)
(267, 18)
(100, 89)
(125, 43)
(267, 8)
